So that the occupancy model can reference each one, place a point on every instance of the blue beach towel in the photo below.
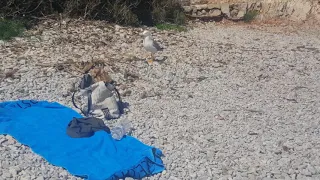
(41, 125)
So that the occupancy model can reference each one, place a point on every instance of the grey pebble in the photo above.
(40, 178)
(7, 175)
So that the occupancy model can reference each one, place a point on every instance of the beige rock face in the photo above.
(225, 9)
(301, 9)
(214, 6)
(215, 12)
(295, 10)
(315, 10)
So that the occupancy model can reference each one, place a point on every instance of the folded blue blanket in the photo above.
(41, 125)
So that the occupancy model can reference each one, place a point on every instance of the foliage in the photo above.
(168, 11)
(167, 26)
(250, 15)
(10, 29)
(125, 12)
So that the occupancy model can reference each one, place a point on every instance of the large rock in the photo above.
(202, 6)
(225, 9)
(243, 7)
(215, 12)
(301, 10)
(254, 6)
(214, 6)
(273, 10)
(257, 6)
(195, 2)
(264, 7)
(238, 10)
(241, 14)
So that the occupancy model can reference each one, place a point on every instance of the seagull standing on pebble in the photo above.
(150, 45)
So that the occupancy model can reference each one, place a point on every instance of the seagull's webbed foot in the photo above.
(150, 60)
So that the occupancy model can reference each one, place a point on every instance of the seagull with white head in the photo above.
(150, 45)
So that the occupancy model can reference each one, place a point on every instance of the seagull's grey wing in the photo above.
(157, 46)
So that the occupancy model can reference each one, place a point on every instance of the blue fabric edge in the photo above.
(157, 152)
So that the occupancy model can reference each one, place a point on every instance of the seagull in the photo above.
(150, 45)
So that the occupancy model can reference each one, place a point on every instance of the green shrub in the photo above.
(121, 13)
(250, 15)
(167, 26)
(125, 12)
(10, 29)
(168, 11)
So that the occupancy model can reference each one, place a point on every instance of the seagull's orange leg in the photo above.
(150, 61)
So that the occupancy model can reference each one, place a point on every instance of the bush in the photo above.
(121, 13)
(118, 11)
(10, 29)
(168, 11)
(166, 26)
(250, 15)
(126, 12)
(26, 8)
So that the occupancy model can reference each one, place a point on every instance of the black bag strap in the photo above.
(85, 82)
(119, 96)
(115, 89)
(89, 104)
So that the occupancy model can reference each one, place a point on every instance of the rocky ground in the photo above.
(222, 102)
